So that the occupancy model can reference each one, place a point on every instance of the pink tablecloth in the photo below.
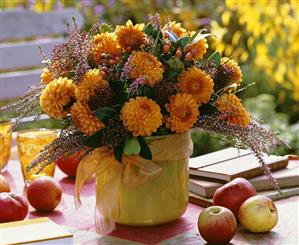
(181, 231)
(83, 218)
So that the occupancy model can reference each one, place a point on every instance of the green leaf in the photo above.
(105, 113)
(216, 57)
(106, 28)
(169, 75)
(117, 107)
(120, 97)
(175, 63)
(200, 37)
(132, 146)
(148, 29)
(145, 151)
(93, 140)
(194, 36)
(157, 39)
(118, 152)
(207, 109)
(148, 91)
(183, 41)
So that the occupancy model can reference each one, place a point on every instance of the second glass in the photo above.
(5, 144)
(30, 143)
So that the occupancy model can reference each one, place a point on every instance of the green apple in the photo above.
(258, 214)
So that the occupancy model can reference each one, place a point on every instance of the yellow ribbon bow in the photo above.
(133, 171)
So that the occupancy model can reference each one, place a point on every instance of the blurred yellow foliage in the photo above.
(36, 5)
(271, 44)
(262, 34)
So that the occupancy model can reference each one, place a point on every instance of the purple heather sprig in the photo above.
(69, 142)
(135, 84)
(163, 91)
(70, 59)
(155, 20)
(254, 137)
(127, 69)
(26, 104)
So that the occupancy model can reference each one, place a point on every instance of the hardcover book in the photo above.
(272, 194)
(287, 177)
(228, 164)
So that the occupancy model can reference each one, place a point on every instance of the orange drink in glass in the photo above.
(30, 143)
(5, 144)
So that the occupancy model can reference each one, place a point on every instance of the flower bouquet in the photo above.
(128, 98)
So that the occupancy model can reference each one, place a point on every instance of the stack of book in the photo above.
(213, 170)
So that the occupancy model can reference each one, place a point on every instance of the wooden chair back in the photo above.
(21, 32)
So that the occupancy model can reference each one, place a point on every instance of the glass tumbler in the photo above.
(5, 144)
(30, 143)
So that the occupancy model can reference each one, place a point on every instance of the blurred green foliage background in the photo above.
(261, 35)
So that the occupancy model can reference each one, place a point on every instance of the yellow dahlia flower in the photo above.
(130, 36)
(145, 65)
(234, 111)
(199, 48)
(46, 76)
(176, 28)
(141, 116)
(89, 84)
(56, 96)
(104, 43)
(84, 119)
(196, 82)
(231, 65)
(183, 111)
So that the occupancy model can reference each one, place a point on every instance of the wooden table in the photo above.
(182, 231)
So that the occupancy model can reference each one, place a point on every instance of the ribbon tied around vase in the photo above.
(133, 171)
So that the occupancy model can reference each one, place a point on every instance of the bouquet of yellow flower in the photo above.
(115, 87)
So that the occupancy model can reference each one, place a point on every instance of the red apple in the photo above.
(4, 185)
(44, 193)
(217, 225)
(233, 194)
(258, 214)
(12, 207)
(69, 165)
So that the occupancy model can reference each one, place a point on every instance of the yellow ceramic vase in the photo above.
(164, 198)
(159, 201)
(139, 191)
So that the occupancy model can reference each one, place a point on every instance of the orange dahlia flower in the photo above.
(176, 28)
(236, 74)
(130, 36)
(56, 96)
(183, 111)
(233, 110)
(141, 116)
(199, 48)
(89, 84)
(196, 82)
(145, 65)
(46, 76)
(104, 43)
(84, 119)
